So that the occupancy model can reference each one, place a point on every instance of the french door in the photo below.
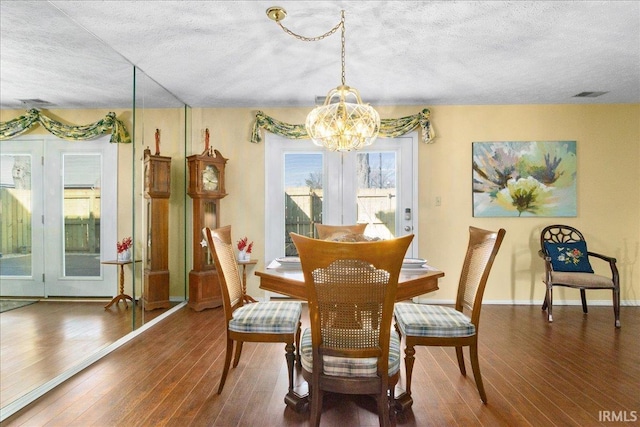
(58, 205)
(305, 184)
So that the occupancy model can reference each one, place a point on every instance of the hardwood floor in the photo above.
(578, 371)
(42, 340)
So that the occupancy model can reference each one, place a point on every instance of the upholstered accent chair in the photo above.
(567, 263)
(350, 347)
(254, 322)
(435, 325)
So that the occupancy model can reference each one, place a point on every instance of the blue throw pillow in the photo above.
(569, 256)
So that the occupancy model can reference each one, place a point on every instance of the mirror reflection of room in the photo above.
(64, 204)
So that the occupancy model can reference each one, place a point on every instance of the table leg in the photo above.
(245, 297)
(403, 401)
(296, 401)
(122, 296)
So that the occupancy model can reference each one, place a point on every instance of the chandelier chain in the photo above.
(312, 39)
(339, 25)
(343, 58)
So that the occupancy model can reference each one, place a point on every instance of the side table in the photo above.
(121, 296)
(244, 264)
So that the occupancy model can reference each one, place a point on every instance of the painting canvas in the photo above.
(524, 179)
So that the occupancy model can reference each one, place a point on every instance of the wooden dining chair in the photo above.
(350, 347)
(255, 322)
(326, 231)
(435, 325)
(566, 263)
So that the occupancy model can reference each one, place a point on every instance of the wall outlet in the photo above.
(438, 201)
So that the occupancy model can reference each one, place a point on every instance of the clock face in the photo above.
(210, 181)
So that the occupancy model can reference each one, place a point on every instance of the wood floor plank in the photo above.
(42, 340)
(535, 373)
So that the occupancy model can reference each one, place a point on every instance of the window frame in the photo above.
(335, 191)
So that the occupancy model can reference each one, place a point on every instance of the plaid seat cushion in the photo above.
(425, 320)
(347, 366)
(267, 317)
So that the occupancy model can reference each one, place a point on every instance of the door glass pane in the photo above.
(15, 215)
(303, 190)
(81, 212)
(376, 193)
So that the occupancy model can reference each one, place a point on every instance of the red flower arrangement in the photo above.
(124, 245)
(244, 245)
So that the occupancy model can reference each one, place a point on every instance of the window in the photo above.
(305, 184)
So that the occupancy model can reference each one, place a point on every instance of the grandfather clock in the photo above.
(157, 189)
(206, 188)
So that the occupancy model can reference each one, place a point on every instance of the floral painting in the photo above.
(524, 179)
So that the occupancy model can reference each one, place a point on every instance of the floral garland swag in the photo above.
(389, 128)
(109, 124)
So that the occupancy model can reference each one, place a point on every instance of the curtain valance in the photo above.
(109, 124)
(389, 128)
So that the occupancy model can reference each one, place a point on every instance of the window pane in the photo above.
(81, 211)
(376, 193)
(15, 215)
(303, 196)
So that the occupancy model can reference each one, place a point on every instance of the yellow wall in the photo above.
(608, 145)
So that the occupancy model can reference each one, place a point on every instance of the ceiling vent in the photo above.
(589, 94)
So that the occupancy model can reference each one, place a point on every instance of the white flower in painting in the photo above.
(524, 195)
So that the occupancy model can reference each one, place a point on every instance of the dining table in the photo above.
(287, 279)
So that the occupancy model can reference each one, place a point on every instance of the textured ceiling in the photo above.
(79, 54)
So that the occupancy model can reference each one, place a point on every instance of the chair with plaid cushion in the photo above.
(255, 322)
(350, 347)
(566, 262)
(434, 325)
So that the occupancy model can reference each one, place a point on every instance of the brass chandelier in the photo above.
(343, 122)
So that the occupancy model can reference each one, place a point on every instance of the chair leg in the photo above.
(383, 409)
(475, 365)
(227, 362)
(238, 353)
(583, 297)
(315, 406)
(460, 356)
(544, 303)
(391, 404)
(616, 306)
(549, 301)
(409, 359)
(291, 359)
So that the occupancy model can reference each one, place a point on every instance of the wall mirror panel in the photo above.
(55, 235)
(160, 133)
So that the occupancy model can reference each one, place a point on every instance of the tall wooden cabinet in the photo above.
(157, 190)
(206, 188)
